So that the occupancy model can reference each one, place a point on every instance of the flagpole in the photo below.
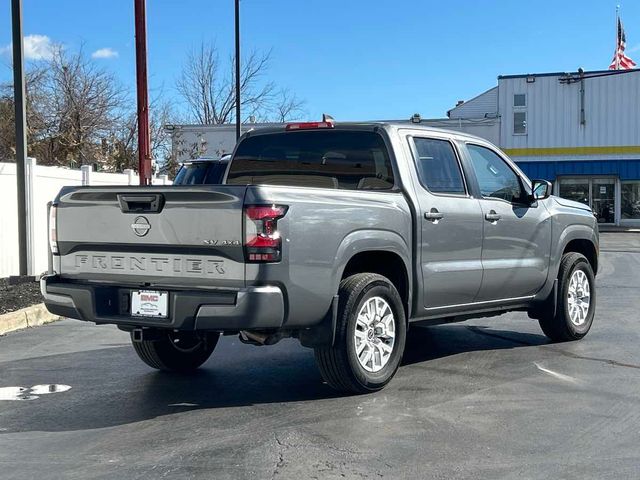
(617, 37)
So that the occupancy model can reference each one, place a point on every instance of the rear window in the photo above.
(201, 173)
(347, 160)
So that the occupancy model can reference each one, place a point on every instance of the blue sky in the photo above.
(355, 59)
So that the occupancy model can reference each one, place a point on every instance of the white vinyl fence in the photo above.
(43, 184)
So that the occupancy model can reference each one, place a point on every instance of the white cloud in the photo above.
(36, 47)
(104, 53)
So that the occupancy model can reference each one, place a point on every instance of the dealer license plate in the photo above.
(149, 303)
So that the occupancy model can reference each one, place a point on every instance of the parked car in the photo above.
(207, 171)
(343, 236)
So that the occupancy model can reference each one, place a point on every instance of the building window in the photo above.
(520, 100)
(519, 123)
(630, 207)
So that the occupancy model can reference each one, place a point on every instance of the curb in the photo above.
(618, 230)
(32, 316)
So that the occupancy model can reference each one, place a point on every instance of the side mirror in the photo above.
(541, 189)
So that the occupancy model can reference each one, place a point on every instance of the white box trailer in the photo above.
(189, 142)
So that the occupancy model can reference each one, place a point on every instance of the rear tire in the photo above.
(576, 302)
(176, 351)
(370, 335)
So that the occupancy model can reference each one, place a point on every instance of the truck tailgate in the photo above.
(182, 235)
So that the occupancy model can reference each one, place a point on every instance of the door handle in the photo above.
(141, 203)
(492, 216)
(433, 215)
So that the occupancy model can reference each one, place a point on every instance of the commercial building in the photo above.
(580, 130)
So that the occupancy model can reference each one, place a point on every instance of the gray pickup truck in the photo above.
(340, 235)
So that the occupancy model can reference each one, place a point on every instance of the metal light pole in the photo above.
(237, 69)
(144, 150)
(19, 99)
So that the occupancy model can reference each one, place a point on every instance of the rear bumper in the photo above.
(244, 309)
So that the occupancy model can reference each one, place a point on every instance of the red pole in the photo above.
(144, 153)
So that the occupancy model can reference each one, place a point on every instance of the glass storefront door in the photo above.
(598, 193)
(603, 194)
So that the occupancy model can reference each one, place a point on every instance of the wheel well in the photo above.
(586, 248)
(387, 264)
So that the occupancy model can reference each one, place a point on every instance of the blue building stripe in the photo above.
(625, 169)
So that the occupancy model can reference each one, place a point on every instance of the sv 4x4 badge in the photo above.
(222, 243)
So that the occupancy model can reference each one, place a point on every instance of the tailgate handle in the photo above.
(141, 203)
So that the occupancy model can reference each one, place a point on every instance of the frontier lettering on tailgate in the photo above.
(150, 264)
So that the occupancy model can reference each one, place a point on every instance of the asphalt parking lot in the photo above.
(490, 398)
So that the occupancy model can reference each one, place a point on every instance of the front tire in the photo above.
(576, 302)
(370, 336)
(176, 351)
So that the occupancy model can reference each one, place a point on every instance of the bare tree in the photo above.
(287, 106)
(77, 113)
(7, 129)
(206, 85)
(123, 140)
(35, 78)
(123, 144)
(82, 102)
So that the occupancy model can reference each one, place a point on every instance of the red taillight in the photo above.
(53, 229)
(262, 239)
(309, 125)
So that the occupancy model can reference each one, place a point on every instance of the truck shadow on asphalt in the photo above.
(431, 343)
(111, 387)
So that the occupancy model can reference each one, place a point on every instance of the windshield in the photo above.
(351, 160)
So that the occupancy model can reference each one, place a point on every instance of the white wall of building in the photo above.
(482, 106)
(487, 128)
(554, 120)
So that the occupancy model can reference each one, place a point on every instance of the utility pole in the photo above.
(237, 70)
(144, 150)
(19, 98)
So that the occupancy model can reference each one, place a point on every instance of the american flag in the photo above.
(620, 60)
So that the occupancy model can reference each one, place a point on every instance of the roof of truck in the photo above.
(395, 124)
(224, 158)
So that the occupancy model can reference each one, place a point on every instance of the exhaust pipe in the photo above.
(258, 338)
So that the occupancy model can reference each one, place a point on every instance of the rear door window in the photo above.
(438, 167)
(337, 159)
